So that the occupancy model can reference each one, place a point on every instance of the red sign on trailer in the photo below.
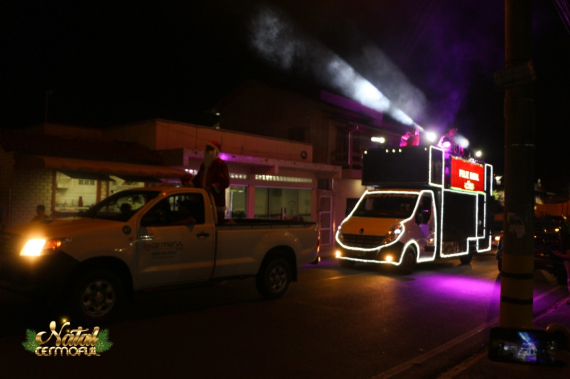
(466, 175)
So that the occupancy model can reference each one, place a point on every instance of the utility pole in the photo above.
(517, 277)
(48, 92)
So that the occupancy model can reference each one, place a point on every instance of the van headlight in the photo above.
(393, 233)
(42, 246)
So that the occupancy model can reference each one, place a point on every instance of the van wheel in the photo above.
(97, 296)
(466, 259)
(346, 263)
(274, 278)
(409, 261)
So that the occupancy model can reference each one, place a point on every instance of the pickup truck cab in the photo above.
(148, 238)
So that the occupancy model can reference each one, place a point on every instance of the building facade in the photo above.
(338, 129)
(270, 178)
(68, 169)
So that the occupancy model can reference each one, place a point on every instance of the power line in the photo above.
(564, 13)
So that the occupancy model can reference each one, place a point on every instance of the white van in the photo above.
(424, 205)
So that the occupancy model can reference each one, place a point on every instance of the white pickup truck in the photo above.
(148, 238)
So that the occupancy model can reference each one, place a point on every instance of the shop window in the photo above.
(283, 204)
(260, 203)
(74, 195)
(236, 202)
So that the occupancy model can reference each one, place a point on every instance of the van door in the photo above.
(425, 218)
(175, 245)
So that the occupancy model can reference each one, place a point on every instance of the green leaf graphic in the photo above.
(103, 344)
(30, 345)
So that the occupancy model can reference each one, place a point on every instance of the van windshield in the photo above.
(387, 205)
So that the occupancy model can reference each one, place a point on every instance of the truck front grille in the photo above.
(362, 241)
(10, 244)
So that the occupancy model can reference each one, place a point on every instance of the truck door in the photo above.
(425, 218)
(175, 245)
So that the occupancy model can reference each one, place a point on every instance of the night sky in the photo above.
(109, 63)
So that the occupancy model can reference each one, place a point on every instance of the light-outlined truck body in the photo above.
(422, 203)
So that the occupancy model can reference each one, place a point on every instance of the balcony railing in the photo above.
(341, 158)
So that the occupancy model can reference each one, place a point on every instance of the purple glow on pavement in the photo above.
(461, 286)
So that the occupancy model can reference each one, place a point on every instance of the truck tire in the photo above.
(346, 263)
(408, 261)
(466, 259)
(97, 296)
(274, 278)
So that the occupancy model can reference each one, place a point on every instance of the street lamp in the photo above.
(48, 92)
(378, 139)
(431, 136)
(478, 153)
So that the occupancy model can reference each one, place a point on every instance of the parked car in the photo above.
(550, 234)
(496, 232)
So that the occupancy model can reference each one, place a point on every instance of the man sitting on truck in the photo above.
(213, 176)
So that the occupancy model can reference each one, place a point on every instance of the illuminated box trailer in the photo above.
(425, 204)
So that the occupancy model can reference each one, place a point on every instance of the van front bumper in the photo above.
(375, 256)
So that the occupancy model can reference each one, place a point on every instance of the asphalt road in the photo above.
(335, 322)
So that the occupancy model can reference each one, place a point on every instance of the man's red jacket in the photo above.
(217, 180)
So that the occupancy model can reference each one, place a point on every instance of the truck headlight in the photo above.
(394, 233)
(42, 246)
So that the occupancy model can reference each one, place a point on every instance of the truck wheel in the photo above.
(97, 296)
(409, 261)
(346, 263)
(274, 278)
(466, 259)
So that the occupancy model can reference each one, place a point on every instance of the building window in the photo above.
(289, 179)
(283, 204)
(324, 184)
(300, 134)
(74, 195)
(236, 201)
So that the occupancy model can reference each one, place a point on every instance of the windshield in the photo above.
(120, 206)
(387, 205)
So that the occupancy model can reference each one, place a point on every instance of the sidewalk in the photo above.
(481, 367)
